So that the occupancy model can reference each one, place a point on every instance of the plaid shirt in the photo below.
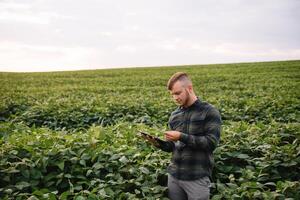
(192, 154)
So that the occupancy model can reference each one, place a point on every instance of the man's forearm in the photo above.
(167, 146)
(206, 142)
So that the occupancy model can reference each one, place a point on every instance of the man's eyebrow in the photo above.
(176, 92)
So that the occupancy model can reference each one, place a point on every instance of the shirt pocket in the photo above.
(197, 125)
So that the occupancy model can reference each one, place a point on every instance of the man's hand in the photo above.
(172, 135)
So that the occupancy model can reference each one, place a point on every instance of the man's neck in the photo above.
(191, 101)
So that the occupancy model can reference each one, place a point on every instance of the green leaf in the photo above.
(270, 184)
(35, 173)
(21, 185)
(32, 198)
(242, 156)
(80, 198)
(52, 196)
(82, 162)
(25, 173)
(10, 170)
(102, 193)
(61, 165)
(144, 170)
(85, 156)
(68, 175)
(64, 195)
(38, 193)
(123, 160)
(78, 187)
(89, 172)
(98, 166)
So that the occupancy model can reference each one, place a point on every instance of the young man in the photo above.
(195, 132)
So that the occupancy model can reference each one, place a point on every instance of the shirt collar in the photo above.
(197, 102)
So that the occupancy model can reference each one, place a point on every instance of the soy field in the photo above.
(73, 135)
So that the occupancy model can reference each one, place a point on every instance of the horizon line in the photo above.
(156, 66)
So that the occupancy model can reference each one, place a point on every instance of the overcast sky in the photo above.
(50, 35)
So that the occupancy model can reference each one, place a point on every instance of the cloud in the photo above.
(42, 58)
(26, 13)
(96, 34)
(126, 49)
(255, 50)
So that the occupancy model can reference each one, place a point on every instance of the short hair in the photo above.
(178, 76)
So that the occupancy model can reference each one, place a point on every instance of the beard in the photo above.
(183, 102)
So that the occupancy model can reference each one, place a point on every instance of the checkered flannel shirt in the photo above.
(192, 154)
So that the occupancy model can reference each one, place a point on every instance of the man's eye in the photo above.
(176, 93)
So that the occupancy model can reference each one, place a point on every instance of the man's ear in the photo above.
(190, 88)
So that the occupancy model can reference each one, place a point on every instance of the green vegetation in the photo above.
(72, 135)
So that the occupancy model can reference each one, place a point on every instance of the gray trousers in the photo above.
(188, 190)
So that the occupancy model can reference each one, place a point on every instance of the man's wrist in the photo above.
(183, 137)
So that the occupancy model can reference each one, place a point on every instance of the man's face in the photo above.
(180, 93)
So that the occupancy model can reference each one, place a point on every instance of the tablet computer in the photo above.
(152, 139)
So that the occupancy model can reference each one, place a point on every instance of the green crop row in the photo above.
(101, 163)
(252, 161)
(76, 100)
(72, 135)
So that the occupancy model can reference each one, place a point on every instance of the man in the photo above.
(195, 132)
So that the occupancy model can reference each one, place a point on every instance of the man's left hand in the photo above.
(172, 135)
